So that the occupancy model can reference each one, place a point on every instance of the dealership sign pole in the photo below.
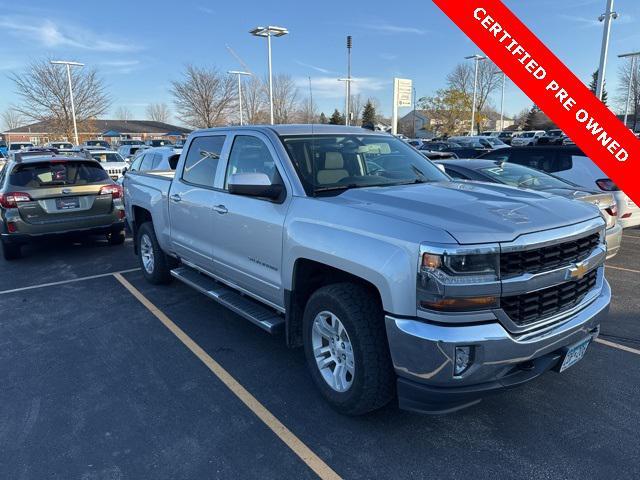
(402, 96)
(552, 86)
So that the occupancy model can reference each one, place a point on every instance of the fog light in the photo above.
(463, 360)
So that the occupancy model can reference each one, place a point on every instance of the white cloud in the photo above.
(57, 34)
(331, 88)
(393, 29)
(206, 10)
(314, 67)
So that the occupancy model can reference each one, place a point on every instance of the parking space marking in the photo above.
(618, 346)
(62, 282)
(623, 269)
(314, 462)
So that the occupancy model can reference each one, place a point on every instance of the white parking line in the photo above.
(62, 282)
(618, 346)
(623, 269)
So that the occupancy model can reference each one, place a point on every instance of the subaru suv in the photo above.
(45, 194)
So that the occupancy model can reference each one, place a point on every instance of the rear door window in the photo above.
(202, 160)
(49, 174)
(147, 162)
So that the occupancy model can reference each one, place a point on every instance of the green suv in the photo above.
(44, 194)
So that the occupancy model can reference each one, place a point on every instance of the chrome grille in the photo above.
(532, 307)
(547, 258)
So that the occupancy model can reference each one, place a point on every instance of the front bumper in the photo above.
(423, 354)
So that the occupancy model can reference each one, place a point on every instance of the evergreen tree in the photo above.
(323, 118)
(369, 113)
(532, 118)
(593, 86)
(336, 118)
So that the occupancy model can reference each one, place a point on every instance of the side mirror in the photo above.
(254, 185)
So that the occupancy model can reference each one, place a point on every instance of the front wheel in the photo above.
(153, 261)
(346, 348)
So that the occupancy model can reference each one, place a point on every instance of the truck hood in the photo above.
(470, 213)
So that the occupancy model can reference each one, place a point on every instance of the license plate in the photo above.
(575, 354)
(67, 203)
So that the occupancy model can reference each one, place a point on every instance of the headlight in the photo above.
(459, 279)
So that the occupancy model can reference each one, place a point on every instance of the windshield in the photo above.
(331, 163)
(107, 157)
(520, 176)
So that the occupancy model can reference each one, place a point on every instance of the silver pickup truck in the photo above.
(396, 280)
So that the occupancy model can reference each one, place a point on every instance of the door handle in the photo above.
(175, 197)
(221, 209)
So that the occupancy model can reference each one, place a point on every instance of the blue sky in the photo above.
(140, 46)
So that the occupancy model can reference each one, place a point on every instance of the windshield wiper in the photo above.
(339, 187)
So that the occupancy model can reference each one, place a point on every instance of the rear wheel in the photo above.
(154, 262)
(11, 252)
(346, 348)
(116, 237)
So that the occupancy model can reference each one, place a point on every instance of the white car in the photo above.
(528, 138)
(111, 161)
(130, 151)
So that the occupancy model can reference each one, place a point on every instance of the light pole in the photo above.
(632, 78)
(269, 32)
(239, 74)
(477, 58)
(504, 82)
(73, 107)
(347, 113)
(346, 98)
(606, 17)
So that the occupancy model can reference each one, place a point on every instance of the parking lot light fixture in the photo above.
(477, 58)
(268, 32)
(632, 78)
(504, 82)
(239, 74)
(73, 107)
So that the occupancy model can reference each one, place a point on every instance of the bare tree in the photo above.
(123, 113)
(461, 79)
(44, 93)
(355, 108)
(253, 101)
(11, 119)
(158, 112)
(307, 111)
(627, 76)
(203, 97)
(285, 94)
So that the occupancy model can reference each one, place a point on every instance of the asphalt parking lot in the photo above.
(95, 386)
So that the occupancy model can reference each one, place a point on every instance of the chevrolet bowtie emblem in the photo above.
(579, 270)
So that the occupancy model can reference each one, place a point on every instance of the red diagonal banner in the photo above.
(552, 86)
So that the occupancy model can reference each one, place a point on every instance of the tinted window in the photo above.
(250, 155)
(202, 160)
(105, 157)
(501, 154)
(47, 174)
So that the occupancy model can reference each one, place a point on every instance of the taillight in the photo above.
(607, 185)
(114, 190)
(11, 199)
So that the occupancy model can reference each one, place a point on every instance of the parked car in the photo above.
(468, 151)
(154, 159)
(496, 171)
(45, 194)
(528, 138)
(569, 163)
(393, 280)
(158, 142)
(60, 145)
(479, 141)
(111, 161)
(568, 141)
(504, 136)
(16, 146)
(3, 148)
(96, 143)
(129, 151)
(130, 142)
(552, 137)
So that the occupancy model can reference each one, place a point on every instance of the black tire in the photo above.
(11, 252)
(116, 237)
(159, 273)
(360, 312)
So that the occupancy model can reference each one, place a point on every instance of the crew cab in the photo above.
(395, 280)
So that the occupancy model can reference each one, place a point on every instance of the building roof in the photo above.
(100, 125)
